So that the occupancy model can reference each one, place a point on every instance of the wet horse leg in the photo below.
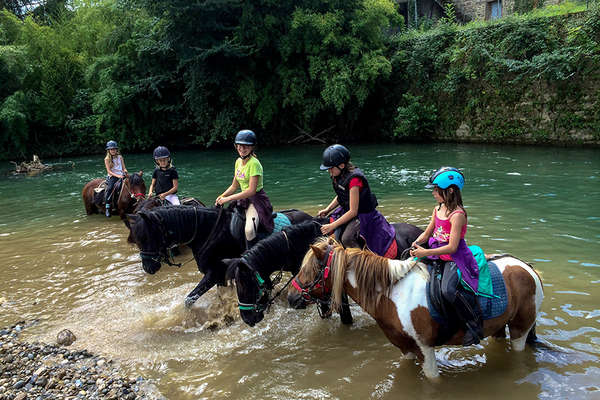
(345, 313)
(203, 286)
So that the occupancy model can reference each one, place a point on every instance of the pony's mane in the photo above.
(179, 221)
(374, 278)
(282, 249)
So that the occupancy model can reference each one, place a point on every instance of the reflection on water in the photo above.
(68, 270)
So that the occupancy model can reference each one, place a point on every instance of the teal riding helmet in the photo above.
(446, 176)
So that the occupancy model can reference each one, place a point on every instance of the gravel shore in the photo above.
(44, 371)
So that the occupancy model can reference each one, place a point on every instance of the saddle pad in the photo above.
(280, 221)
(490, 307)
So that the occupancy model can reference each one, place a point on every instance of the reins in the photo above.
(210, 235)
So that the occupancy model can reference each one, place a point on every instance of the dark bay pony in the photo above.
(285, 251)
(393, 293)
(133, 189)
(205, 230)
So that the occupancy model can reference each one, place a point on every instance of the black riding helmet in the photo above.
(246, 137)
(161, 152)
(335, 155)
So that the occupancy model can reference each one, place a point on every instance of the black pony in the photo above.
(205, 230)
(155, 201)
(282, 251)
(285, 251)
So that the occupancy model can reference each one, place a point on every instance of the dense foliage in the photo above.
(533, 79)
(74, 74)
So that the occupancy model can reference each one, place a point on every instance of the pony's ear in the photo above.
(318, 252)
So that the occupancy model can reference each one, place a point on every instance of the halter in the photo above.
(135, 196)
(166, 255)
(262, 288)
(319, 281)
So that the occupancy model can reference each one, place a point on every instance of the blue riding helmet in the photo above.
(246, 137)
(446, 176)
(335, 155)
(161, 152)
(111, 144)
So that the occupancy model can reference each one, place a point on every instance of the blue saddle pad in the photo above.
(491, 307)
(280, 221)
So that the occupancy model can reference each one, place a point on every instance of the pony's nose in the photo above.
(150, 266)
(296, 301)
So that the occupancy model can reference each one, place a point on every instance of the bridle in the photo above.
(136, 196)
(264, 288)
(319, 281)
(165, 252)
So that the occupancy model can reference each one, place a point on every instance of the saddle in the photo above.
(99, 193)
(443, 312)
(238, 221)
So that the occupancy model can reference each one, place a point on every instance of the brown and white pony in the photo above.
(393, 293)
(132, 190)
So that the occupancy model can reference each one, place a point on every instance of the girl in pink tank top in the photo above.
(446, 238)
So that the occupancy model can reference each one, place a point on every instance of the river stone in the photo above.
(65, 337)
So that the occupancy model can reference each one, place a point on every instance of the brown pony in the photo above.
(393, 293)
(132, 190)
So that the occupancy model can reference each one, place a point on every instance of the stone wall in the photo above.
(480, 9)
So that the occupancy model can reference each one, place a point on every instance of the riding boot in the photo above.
(470, 314)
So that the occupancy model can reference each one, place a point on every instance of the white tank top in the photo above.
(117, 166)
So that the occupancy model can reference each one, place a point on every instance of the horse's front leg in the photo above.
(205, 284)
(345, 313)
(430, 367)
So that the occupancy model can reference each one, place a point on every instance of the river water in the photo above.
(68, 270)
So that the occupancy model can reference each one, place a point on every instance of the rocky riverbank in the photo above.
(44, 371)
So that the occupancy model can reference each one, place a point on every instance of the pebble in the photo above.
(47, 371)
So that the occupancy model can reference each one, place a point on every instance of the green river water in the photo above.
(64, 269)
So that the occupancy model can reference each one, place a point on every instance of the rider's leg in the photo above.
(350, 235)
(251, 227)
(108, 192)
(465, 304)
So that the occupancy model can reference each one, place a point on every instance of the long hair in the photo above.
(452, 198)
(110, 158)
(348, 168)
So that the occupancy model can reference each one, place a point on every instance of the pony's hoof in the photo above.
(189, 302)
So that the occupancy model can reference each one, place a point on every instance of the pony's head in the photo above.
(143, 204)
(314, 282)
(137, 185)
(252, 290)
(148, 239)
